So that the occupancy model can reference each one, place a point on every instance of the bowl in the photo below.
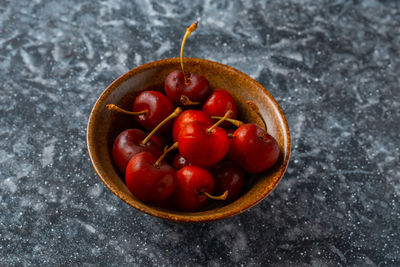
(104, 126)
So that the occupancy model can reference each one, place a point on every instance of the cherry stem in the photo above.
(189, 30)
(226, 116)
(113, 107)
(221, 197)
(255, 108)
(187, 102)
(237, 123)
(166, 150)
(174, 114)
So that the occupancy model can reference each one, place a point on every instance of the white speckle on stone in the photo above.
(239, 246)
(88, 44)
(95, 190)
(28, 61)
(4, 156)
(87, 227)
(39, 206)
(9, 183)
(174, 237)
(338, 252)
(165, 46)
(295, 56)
(48, 152)
(138, 59)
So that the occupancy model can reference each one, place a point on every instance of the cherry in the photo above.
(203, 145)
(192, 85)
(189, 116)
(150, 179)
(218, 103)
(149, 109)
(158, 106)
(127, 144)
(193, 188)
(195, 88)
(228, 176)
(252, 148)
(160, 140)
(133, 141)
(179, 162)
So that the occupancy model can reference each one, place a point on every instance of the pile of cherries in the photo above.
(212, 157)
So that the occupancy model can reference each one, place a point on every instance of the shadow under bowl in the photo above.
(104, 126)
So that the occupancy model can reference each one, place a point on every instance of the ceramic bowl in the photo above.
(104, 126)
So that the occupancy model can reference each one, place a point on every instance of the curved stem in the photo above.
(166, 150)
(189, 30)
(227, 115)
(237, 123)
(113, 107)
(221, 197)
(255, 108)
(187, 102)
(174, 114)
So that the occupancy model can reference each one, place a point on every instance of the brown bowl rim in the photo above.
(192, 217)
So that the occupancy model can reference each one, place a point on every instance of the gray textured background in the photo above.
(333, 66)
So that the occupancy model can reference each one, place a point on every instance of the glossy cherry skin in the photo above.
(147, 182)
(200, 147)
(228, 176)
(189, 116)
(191, 182)
(218, 103)
(179, 162)
(197, 88)
(253, 149)
(158, 106)
(127, 144)
(160, 140)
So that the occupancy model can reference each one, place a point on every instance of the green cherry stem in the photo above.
(166, 150)
(173, 115)
(189, 30)
(237, 123)
(227, 115)
(221, 197)
(187, 102)
(113, 107)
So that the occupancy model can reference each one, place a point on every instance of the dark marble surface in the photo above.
(332, 65)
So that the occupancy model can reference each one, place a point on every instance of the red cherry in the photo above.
(218, 103)
(128, 143)
(192, 183)
(179, 162)
(253, 149)
(189, 116)
(158, 107)
(133, 141)
(160, 140)
(228, 176)
(193, 85)
(201, 146)
(179, 83)
(149, 179)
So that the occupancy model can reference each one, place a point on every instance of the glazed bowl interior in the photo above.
(104, 126)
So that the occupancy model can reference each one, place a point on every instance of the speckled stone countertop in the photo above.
(333, 66)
